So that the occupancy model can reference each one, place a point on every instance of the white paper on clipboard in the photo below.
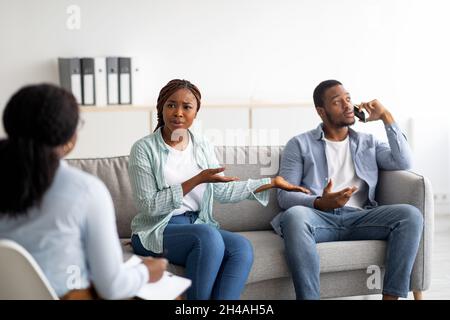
(169, 287)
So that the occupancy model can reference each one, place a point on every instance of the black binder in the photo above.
(88, 81)
(70, 76)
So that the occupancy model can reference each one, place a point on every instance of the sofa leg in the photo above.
(417, 295)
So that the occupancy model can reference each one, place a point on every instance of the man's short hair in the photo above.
(319, 91)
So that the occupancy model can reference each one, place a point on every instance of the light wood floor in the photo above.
(440, 269)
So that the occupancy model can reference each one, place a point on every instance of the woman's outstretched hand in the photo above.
(280, 183)
(206, 176)
(212, 175)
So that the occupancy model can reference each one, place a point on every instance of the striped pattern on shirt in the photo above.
(155, 199)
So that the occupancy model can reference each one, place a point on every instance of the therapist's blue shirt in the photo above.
(72, 235)
(304, 163)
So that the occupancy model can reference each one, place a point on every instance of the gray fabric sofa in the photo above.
(343, 264)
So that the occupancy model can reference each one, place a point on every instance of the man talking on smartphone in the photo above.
(340, 167)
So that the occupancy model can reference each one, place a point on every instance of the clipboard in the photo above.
(169, 287)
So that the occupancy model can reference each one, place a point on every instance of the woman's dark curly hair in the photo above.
(37, 119)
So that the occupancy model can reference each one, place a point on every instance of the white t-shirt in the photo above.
(342, 171)
(181, 166)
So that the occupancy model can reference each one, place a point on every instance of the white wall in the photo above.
(254, 51)
(107, 134)
(240, 51)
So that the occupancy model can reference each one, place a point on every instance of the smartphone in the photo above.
(359, 114)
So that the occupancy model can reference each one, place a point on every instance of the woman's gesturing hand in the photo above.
(280, 183)
(206, 176)
(212, 175)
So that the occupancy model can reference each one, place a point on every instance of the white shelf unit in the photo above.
(111, 130)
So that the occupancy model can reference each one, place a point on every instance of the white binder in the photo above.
(138, 87)
(100, 82)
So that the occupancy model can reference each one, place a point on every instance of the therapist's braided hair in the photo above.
(37, 119)
(170, 88)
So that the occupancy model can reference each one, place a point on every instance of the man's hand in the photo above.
(333, 200)
(156, 267)
(377, 111)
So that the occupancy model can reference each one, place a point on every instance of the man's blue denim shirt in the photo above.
(304, 163)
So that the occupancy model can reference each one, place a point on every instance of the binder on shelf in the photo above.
(88, 81)
(70, 76)
(138, 89)
(100, 82)
(124, 80)
(112, 79)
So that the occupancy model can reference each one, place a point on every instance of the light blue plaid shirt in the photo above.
(155, 199)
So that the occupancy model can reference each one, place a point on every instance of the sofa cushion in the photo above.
(270, 262)
(244, 162)
(248, 162)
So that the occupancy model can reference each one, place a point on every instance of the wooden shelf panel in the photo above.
(115, 108)
(121, 108)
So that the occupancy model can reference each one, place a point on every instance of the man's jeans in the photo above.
(217, 261)
(302, 227)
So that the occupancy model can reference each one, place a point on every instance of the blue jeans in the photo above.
(302, 227)
(217, 261)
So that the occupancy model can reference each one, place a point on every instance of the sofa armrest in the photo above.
(407, 187)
